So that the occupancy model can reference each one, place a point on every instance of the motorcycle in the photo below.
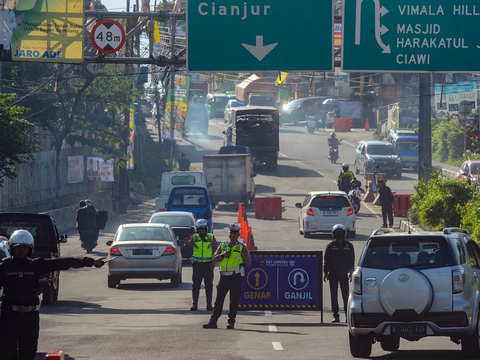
(311, 124)
(88, 240)
(333, 153)
(355, 199)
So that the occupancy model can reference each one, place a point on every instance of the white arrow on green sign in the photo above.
(258, 35)
(411, 36)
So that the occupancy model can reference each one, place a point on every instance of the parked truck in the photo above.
(230, 178)
(257, 92)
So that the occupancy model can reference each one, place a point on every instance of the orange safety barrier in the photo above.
(343, 124)
(370, 197)
(55, 355)
(402, 204)
(268, 207)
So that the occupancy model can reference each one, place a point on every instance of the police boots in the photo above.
(209, 293)
(195, 295)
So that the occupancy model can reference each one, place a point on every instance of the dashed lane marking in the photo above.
(318, 172)
(346, 142)
(272, 328)
(277, 345)
(282, 155)
(301, 163)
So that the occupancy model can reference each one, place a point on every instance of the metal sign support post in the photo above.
(172, 95)
(425, 129)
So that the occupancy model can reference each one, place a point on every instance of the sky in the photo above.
(121, 5)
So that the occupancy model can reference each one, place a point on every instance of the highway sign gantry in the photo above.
(108, 36)
(261, 35)
(411, 36)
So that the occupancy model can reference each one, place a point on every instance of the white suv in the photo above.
(416, 285)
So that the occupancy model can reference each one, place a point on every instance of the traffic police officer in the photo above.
(19, 276)
(234, 257)
(338, 267)
(345, 178)
(204, 244)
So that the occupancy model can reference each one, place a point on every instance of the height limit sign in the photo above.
(108, 36)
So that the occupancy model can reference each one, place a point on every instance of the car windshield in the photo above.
(390, 253)
(295, 103)
(407, 146)
(172, 220)
(39, 229)
(183, 180)
(475, 167)
(188, 197)
(143, 233)
(383, 149)
(327, 202)
(221, 100)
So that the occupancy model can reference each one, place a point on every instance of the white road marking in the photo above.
(268, 312)
(277, 345)
(346, 142)
(272, 328)
(318, 172)
(300, 162)
(282, 155)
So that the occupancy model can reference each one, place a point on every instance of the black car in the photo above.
(46, 244)
(296, 110)
(381, 153)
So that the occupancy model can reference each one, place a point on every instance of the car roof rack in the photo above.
(380, 232)
(452, 230)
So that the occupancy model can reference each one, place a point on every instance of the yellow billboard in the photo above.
(42, 30)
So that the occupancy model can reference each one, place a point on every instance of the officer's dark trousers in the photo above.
(202, 271)
(22, 329)
(387, 211)
(232, 283)
(336, 279)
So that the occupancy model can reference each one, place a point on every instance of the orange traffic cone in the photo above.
(240, 213)
(367, 125)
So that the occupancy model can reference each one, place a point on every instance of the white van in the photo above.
(172, 179)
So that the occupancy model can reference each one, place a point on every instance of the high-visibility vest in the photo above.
(202, 249)
(233, 262)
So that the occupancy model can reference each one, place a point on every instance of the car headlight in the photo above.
(370, 160)
(398, 160)
(285, 107)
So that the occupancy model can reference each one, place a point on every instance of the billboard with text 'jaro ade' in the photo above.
(41, 30)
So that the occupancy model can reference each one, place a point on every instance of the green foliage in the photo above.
(436, 203)
(470, 214)
(448, 141)
(439, 145)
(13, 137)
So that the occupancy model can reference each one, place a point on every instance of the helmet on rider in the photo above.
(332, 135)
(21, 238)
(88, 202)
(201, 224)
(339, 232)
(345, 167)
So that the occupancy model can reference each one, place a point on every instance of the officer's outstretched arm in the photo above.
(48, 265)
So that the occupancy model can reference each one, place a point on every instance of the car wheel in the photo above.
(176, 280)
(47, 296)
(390, 343)
(113, 281)
(351, 234)
(471, 343)
(360, 346)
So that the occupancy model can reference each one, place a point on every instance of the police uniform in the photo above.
(339, 261)
(202, 260)
(19, 317)
(231, 278)
(340, 180)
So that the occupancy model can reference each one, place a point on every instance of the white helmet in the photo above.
(201, 223)
(21, 237)
(88, 202)
(339, 231)
(234, 228)
(3, 238)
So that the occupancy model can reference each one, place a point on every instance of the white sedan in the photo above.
(321, 210)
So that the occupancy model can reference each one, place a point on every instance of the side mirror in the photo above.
(109, 242)
(298, 205)
(62, 239)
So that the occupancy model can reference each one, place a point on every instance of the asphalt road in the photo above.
(144, 319)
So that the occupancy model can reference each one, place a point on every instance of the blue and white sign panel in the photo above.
(283, 280)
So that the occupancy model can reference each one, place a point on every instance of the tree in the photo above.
(14, 148)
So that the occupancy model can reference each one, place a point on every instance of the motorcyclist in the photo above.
(87, 221)
(345, 178)
(332, 140)
(315, 111)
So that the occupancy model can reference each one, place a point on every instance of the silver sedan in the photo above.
(144, 251)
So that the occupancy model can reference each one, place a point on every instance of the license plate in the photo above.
(330, 213)
(408, 329)
(142, 251)
(410, 164)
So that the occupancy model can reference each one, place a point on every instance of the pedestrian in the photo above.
(204, 245)
(338, 268)
(19, 277)
(386, 202)
(183, 163)
(234, 257)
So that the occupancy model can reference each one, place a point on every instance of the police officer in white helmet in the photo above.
(19, 276)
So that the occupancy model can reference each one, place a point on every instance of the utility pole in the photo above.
(172, 95)
(424, 129)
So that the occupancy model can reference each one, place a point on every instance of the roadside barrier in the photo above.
(402, 204)
(343, 124)
(370, 197)
(268, 207)
(55, 355)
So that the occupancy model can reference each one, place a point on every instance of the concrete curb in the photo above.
(405, 226)
(448, 173)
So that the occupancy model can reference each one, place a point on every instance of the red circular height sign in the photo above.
(108, 36)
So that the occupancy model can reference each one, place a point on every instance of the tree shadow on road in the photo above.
(421, 354)
(288, 171)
